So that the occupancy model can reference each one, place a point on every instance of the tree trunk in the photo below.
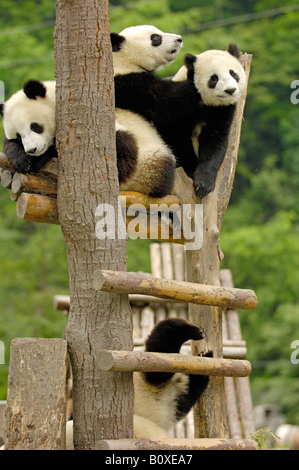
(87, 176)
(203, 267)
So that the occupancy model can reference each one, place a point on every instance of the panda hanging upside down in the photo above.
(162, 399)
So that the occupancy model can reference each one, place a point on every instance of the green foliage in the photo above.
(260, 231)
(264, 438)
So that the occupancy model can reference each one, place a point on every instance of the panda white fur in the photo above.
(178, 108)
(162, 399)
(29, 126)
(147, 163)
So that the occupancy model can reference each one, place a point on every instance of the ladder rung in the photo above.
(177, 444)
(121, 282)
(139, 361)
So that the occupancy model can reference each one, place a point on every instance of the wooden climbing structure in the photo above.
(199, 286)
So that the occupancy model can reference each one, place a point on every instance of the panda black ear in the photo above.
(33, 89)
(1, 108)
(189, 61)
(234, 50)
(116, 41)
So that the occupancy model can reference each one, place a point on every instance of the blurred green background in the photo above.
(260, 232)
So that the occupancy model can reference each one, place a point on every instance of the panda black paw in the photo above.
(21, 166)
(203, 189)
(206, 354)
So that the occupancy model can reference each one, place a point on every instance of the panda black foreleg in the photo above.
(21, 161)
(205, 174)
(16, 154)
(168, 336)
(212, 147)
(37, 163)
(196, 387)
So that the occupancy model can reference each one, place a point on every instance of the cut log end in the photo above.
(98, 280)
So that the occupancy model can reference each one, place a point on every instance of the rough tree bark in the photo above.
(87, 176)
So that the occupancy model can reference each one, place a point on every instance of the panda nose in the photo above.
(179, 40)
(32, 151)
(230, 91)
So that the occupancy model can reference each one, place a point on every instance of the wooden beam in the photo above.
(138, 361)
(42, 208)
(33, 184)
(139, 283)
(37, 208)
(127, 198)
(177, 444)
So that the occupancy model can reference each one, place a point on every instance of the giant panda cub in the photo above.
(220, 80)
(198, 104)
(146, 159)
(29, 126)
(162, 399)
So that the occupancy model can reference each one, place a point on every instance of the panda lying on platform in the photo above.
(162, 399)
(199, 104)
(144, 161)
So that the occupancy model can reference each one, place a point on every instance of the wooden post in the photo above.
(203, 267)
(88, 177)
(242, 385)
(2, 421)
(36, 396)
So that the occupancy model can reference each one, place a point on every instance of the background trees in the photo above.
(260, 230)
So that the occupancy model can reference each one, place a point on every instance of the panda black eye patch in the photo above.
(234, 75)
(213, 81)
(156, 40)
(35, 127)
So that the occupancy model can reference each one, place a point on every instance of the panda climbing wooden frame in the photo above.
(203, 268)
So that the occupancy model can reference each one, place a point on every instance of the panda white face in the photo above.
(143, 48)
(219, 78)
(31, 117)
(218, 75)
